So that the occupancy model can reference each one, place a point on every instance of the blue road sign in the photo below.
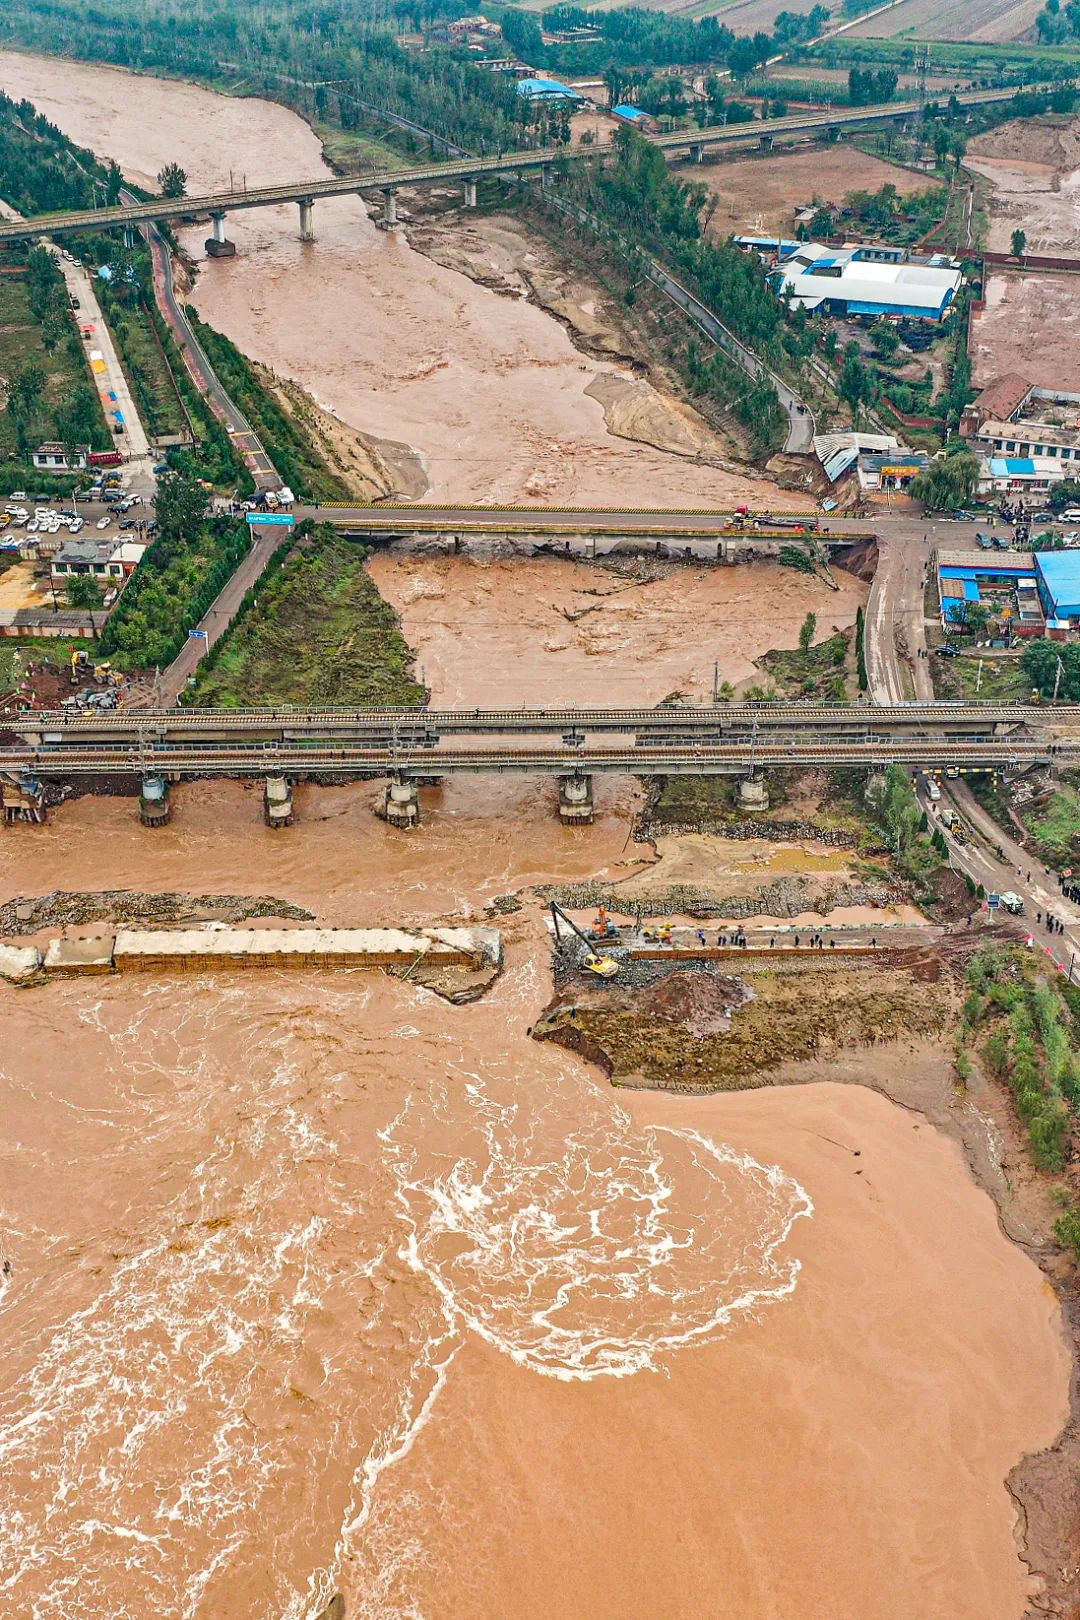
(993, 901)
(285, 519)
(196, 635)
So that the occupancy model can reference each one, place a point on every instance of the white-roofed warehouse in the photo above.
(841, 281)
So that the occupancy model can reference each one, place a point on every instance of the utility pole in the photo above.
(1057, 676)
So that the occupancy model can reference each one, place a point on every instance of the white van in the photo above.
(933, 792)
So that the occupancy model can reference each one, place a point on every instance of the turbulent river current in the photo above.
(318, 1283)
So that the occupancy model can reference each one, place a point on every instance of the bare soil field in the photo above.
(992, 21)
(1029, 326)
(761, 194)
(1034, 168)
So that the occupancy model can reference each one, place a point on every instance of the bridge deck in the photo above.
(162, 208)
(132, 725)
(259, 759)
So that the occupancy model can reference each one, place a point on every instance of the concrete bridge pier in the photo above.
(23, 799)
(753, 793)
(470, 193)
(307, 218)
(766, 143)
(154, 802)
(547, 174)
(575, 800)
(401, 804)
(129, 237)
(389, 213)
(697, 152)
(218, 246)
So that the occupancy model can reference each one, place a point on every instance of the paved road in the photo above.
(895, 620)
(538, 521)
(198, 366)
(218, 617)
(133, 444)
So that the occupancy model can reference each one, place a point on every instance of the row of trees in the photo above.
(1057, 24)
(41, 171)
(869, 86)
(191, 558)
(633, 37)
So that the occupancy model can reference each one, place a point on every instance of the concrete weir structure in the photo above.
(194, 950)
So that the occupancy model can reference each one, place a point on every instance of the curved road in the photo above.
(196, 363)
(895, 621)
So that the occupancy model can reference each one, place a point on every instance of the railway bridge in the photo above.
(692, 144)
(406, 747)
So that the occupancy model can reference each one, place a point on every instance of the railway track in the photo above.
(261, 758)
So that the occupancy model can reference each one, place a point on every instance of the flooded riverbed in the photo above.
(319, 1283)
(490, 391)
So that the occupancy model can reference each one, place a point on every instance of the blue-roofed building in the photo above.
(548, 90)
(1006, 581)
(1059, 586)
(866, 280)
(634, 115)
(1022, 475)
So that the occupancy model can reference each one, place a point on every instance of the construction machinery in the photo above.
(602, 967)
(603, 927)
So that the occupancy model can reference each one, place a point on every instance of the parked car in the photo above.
(103, 523)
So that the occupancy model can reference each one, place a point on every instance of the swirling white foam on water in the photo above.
(158, 1422)
(591, 1263)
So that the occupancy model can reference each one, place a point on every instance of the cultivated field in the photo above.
(992, 21)
(761, 194)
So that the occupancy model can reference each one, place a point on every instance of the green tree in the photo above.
(84, 592)
(855, 387)
(1019, 243)
(172, 181)
(895, 808)
(885, 338)
(806, 632)
(25, 397)
(947, 484)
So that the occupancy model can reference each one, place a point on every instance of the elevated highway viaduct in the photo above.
(305, 193)
(407, 747)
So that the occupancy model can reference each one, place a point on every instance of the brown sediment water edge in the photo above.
(316, 1281)
(320, 1285)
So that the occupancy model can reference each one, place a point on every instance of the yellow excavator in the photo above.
(602, 967)
(83, 670)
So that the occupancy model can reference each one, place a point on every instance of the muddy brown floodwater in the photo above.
(512, 631)
(318, 1283)
(490, 391)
